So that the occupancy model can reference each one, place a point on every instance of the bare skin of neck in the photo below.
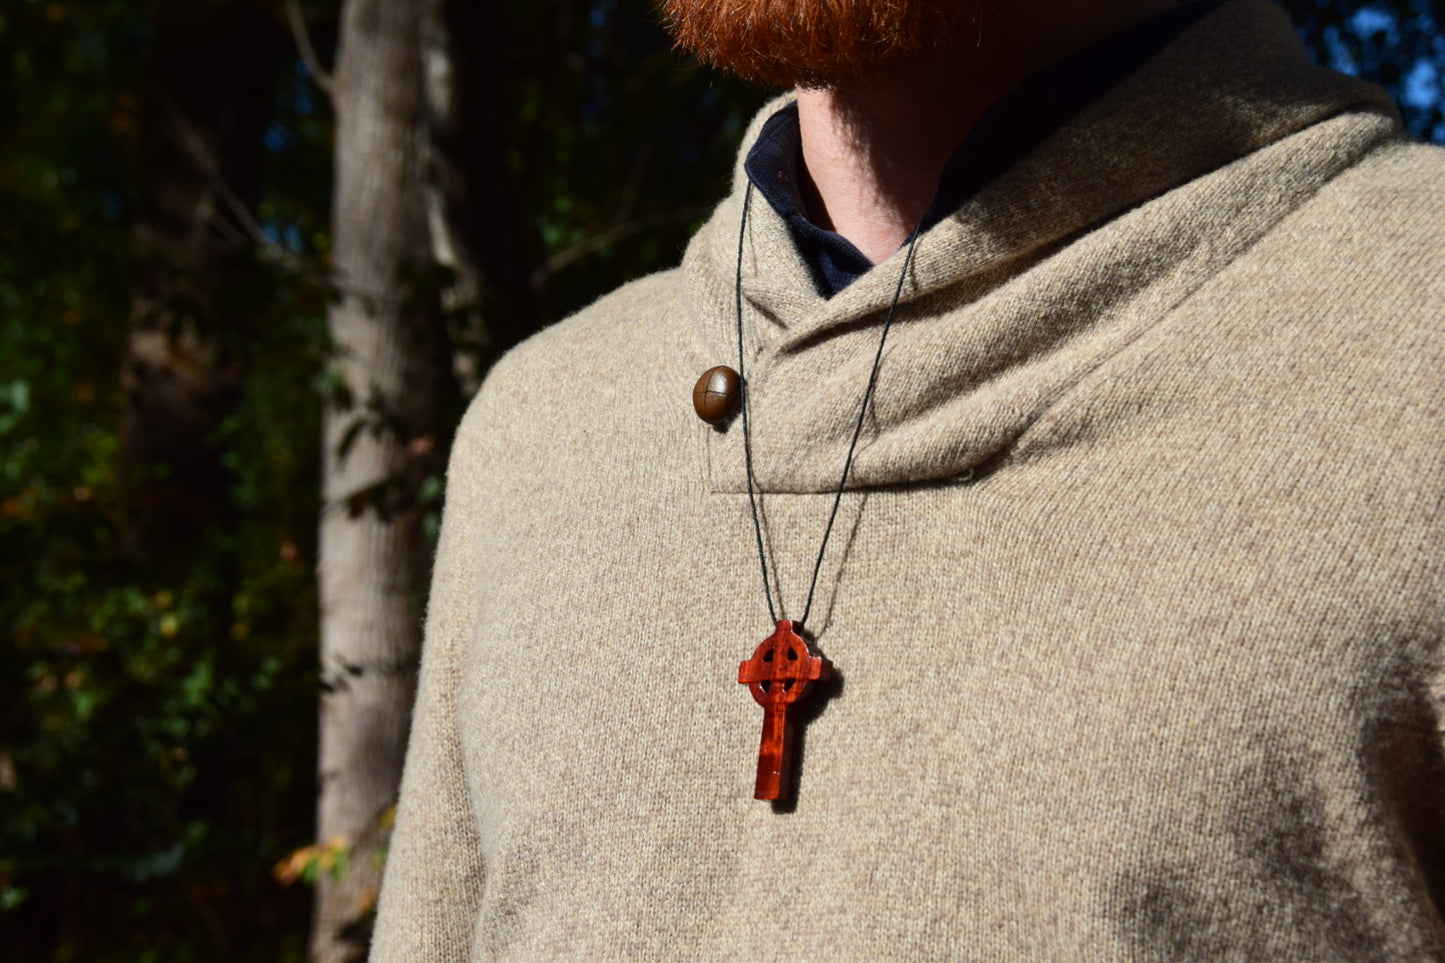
(874, 150)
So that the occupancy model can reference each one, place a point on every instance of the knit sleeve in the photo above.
(432, 884)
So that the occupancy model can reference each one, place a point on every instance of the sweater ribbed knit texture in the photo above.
(1136, 595)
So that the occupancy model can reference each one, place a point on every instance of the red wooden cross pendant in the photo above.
(777, 675)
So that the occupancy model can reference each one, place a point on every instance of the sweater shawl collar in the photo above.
(1040, 278)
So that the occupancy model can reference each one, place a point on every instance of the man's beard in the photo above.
(814, 43)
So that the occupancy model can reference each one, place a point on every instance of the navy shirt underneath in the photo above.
(1007, 131)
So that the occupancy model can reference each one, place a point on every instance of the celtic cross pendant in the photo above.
(777, 675)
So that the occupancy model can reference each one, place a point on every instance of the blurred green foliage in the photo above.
(157, 722)
(150, 767)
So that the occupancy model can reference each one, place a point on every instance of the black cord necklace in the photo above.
(783, 665)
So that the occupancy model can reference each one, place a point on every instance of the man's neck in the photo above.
(874, 151)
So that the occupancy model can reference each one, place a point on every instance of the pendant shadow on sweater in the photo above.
(806, 712)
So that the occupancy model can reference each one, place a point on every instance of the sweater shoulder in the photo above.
(1341, 308)
(1400, 171)
(1365, 253)
(579, 362)
(1391, 206)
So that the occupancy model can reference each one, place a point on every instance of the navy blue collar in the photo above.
(1007, 131)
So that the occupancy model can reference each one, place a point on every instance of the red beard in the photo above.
(813, 43)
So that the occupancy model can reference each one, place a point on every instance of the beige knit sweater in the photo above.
(1136, 598)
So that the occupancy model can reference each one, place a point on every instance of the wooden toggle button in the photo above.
(717, 395)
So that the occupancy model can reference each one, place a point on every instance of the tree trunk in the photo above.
(391, 378)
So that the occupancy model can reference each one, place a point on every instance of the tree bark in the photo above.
(391, 377)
